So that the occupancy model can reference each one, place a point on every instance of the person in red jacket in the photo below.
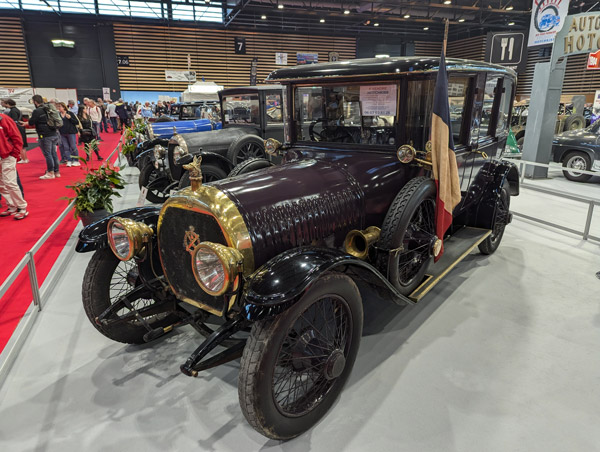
(11, 143)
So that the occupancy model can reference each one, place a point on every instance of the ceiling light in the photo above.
(406, 16)
(425, 28)
(63, 43)
(510, 8)
(263, 17)
(447, 2)
(511, 23)
(322, 21)
(376, 24)
(461, 20)
(382, 55)
(347, 11)
(280, 6)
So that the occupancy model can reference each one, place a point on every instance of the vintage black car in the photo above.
(194, 110)
(578, 150)
(248, 115)
(283, 256)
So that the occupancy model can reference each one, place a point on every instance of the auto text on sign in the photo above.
(378, 100)
(583, 35)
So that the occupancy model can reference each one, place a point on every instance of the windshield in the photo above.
(241, 109)
(200, 111)
(361, 114)
(175, 110)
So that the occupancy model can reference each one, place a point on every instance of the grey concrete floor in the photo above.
(502, 356)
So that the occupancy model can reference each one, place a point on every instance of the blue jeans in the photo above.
(48, 147)
(113, 122)
(68, 147)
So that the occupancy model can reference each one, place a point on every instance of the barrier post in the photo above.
(588, 221)
(33, 281)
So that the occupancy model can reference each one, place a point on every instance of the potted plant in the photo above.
(93, 195)
(128, 145)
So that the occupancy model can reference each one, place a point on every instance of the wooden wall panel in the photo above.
(13, 54)
(152, 49)
(470, 48)
(428, 48)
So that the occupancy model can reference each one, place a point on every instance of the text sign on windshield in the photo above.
(379, 100)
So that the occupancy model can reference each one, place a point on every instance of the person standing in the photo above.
(122, 114)
(87, 135)
(146, 111)
(11, 143)
(95, 114)
(47, 137)
(111, 111)
(161, 109)
(104, 122)
(15, 114)
(72, 107)
(68, 136)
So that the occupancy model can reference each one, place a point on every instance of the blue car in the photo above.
(165, 129)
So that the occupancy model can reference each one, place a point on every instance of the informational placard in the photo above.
(547, 19)
(142, 198)
(21, 96)
(253, 71)
(593, 61)
(180, 76)
(240, 45)
(333, 57)
(281, 59)
(379, 100)
(123, 60)
(105, 93)
(307, 58)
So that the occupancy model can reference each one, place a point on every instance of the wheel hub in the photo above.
(335, 364)
(435, 246)
(578, 164)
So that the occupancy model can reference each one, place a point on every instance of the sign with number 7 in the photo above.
(240, 45)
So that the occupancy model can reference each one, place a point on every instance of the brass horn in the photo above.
(357, 242)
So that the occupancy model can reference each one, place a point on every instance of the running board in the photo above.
(456, 248)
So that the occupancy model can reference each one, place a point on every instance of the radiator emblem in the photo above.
(191, 240)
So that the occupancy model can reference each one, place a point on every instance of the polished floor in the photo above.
(502, 356)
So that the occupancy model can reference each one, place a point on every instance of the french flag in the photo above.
(445, 169)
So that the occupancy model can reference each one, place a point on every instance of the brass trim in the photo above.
(195, 171)
(211, 201)
(368, 236)
(231, 261)
(272, 146)
(137, 232)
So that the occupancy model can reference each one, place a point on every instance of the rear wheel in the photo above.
(501, 217)
(156, 181)
(246, 147)
(577, 161)
(248, 166)
(106, 280)
(295, 365)
(408, 232)
(575, 122)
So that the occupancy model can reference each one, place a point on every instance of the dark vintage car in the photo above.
(578, 150)
(249, 114)
(281, 258)
(194, 110)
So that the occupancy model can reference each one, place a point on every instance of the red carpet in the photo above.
(44, 207)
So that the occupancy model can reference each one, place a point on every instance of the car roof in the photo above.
(382, 66)
(250, 88)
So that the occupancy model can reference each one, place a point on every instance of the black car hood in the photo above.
(214, 139)
(576, 137)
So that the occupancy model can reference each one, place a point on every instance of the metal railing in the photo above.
(12, 348)
(591, 203)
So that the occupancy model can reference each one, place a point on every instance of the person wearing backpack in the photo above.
(47, 121)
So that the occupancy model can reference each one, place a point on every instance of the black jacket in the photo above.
(39, 119)
(69, 126)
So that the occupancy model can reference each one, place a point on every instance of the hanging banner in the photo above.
(21, 96)
(253, 71)
(281, 59)
(180, 76)
(547, 19)
(307, 58)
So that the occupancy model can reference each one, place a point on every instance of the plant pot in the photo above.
(88, 218)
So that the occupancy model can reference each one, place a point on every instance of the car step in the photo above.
(456, 248)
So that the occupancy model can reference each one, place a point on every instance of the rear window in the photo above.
(241, 109)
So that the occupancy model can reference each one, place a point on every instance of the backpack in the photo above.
(54, 119)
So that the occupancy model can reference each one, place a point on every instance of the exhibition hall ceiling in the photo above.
(405, 18)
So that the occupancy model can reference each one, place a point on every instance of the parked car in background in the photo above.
(195, 110)
(578, 150)
(289, 252)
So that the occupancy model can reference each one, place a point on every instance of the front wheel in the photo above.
(577, 161)
(210, 173)
(106, 280)
(295, 365)
(156, 181)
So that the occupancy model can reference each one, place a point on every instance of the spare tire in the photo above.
(250, 165)
(164, 118)
(210, 173)
(574, 122)
(245, 148)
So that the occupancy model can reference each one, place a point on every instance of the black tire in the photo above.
(577, 160)
(156, 182)
(574, 122)
(250, 165)
(288, 344)
(501, 215)
(210, 173)
(520, 142)
(106, 279)
(412, 212)
(246, 147)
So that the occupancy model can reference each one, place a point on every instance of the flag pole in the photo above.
(445, 36)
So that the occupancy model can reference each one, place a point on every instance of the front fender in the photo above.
(94, 236)
(280, 283)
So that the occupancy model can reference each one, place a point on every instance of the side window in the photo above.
(504, 107)
(458, 87)
(419, 100)
(274, 111)
(483, 131)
